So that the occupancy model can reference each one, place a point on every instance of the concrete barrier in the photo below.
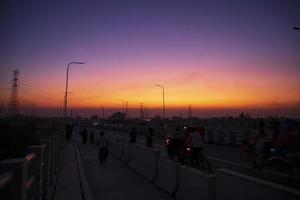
(232, 138)
(119, 149)
(234, 185)
(113, 145)
(168, 175)
(220, 136)
(126, 152)
(210, 136)
(144, 161)
(194, 184)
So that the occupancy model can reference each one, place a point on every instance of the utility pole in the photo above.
(126, 109)
(190, 111)
(142, 111)
(61, 108)
(146, 112)
(103, 114)
(123, 107)
(13, 105)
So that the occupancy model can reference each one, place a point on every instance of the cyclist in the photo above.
(260, 148)
(103, 148)
(196, 141)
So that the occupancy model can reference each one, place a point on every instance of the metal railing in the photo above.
(33, 176)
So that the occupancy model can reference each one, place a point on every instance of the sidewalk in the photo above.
(68, 185)
(114, 180)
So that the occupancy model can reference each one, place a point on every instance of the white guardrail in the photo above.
(34, 176)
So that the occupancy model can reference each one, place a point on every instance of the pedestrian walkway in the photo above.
(68, 185)
(114, 180)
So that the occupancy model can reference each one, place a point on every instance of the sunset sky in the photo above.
(214, 55)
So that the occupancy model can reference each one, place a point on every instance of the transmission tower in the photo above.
(13, 105)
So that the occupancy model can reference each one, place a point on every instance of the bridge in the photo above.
(57, 169)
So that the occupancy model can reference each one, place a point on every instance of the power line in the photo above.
(31, 82)
(37, 87)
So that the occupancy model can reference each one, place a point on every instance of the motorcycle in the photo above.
(195, 158)
(276, 160)
(186, 155)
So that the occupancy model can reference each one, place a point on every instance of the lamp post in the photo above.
(163, 90)
(66, 91)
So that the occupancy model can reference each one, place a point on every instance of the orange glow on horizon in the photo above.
(176, 96)
(207, 89)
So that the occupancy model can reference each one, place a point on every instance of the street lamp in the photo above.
(163, 90)
(67, 80)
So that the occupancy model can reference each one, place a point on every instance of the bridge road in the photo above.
(114, 179)
(68, 184)
(220, 157)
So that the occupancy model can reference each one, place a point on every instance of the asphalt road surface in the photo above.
(219, 157)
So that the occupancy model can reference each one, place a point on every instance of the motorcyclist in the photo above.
(174, 143)
(196, 142)
(260, 147)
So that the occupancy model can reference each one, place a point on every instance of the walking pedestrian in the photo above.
(103, 148)
(71, 131)
(150, 138)
(260, 147)
(133, 135)
(84, 135)
(92, 137)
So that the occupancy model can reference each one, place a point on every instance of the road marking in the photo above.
(225, 161)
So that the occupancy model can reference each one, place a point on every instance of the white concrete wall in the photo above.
(144, 161)
(195, 185)
(168, 177)
(126, 152)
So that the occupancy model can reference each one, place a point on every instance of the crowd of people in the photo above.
(283, 143)
(103, 142)
(256, 150)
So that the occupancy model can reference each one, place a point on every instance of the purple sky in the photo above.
(228, 44)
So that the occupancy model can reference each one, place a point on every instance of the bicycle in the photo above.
(196, 160)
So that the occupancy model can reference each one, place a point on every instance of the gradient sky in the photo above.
(210, 54)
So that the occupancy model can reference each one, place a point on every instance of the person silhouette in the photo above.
(133, 135)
